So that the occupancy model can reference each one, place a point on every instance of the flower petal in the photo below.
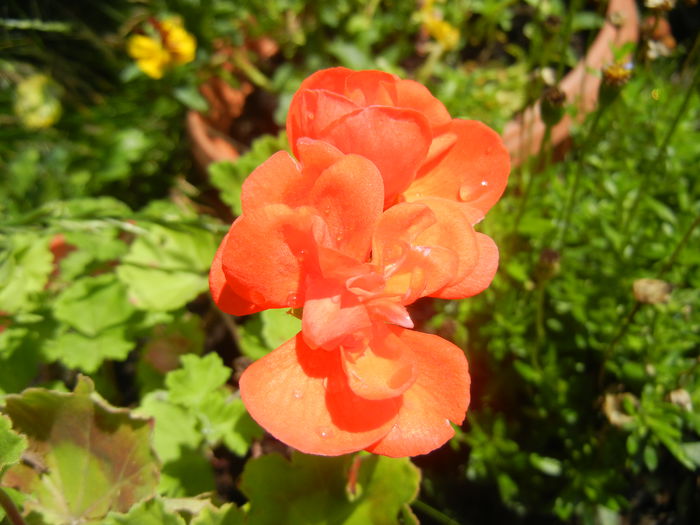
(312, 111)
(382, 369)
(269, 251)
(475, 170)
(301, 397)
(440, 394)
(395, 140)
(414, 95)
(224, 296)
(349, 196)
(278, 180)
(480, 277)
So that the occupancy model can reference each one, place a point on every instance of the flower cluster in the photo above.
(375, 209)
(168, 45)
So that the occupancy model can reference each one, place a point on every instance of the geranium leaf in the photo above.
(87, 353)
(344, 490)
(198, 377)
(24, 271)
(87, 458)
(167, 268)
(11, 444)
(152, 512)
(93, 304)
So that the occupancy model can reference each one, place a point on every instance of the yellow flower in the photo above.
(173, 46)
(442, 31)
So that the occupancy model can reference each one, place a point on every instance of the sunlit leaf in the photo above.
(87, 458)
(357, 489)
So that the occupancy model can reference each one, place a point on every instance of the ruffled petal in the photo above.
(395, 140)
(301, 397)
(269, 252)
(382, 369)
(312, 111)
(424, 247)
(278, 180)
(474, 171)
(331, 315)
(439, 395)
(224, 296)
(480, 277)
(414, 95)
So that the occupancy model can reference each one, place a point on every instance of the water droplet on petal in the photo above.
(338, 238)
(324, 432)
(447, 422)
(293, 300)
(298, 394)
(489, 150)
(484, 183)
(335, 299)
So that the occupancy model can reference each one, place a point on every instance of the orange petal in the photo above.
(349, 196)
(475, 170)
(278, 180)
(224, 296)
(301, 397)
(312, 111)
(414, 95)
(440, 394)
(331, 315)
(270, 250)
(429, 240)
(396, 140)
(382, 369)
(480, 277)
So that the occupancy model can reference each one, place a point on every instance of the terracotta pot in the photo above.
(523, 135)
(209, 133)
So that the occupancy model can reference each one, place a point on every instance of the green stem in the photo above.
(661, 152)
(426, 70)
(578, 168)
(433, 513)
(543, 157)
(10, 510)
(637, 305)
(539, 325)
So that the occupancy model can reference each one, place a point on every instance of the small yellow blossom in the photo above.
(442, 31)
(172, 46)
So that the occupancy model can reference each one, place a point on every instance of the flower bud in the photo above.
(615, 76)
(552, 105)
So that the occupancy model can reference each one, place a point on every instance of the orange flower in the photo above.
(314, 234)
(397, 124)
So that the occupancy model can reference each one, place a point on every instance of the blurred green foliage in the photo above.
(584, 351)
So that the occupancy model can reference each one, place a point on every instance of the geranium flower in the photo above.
(314, 234)
(171, 45)
(397, 124)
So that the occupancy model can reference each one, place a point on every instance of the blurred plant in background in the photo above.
(584, 352)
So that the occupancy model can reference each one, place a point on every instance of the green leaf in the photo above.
(198, 377)
(87, 353)
(224, 419)
(191, 97)
(175, 428)
(227, 514)
(24, 271)
(167, 268)
(88, 458)
(152, 512)
(93, 304)
(11, 444)
(266, 331)
(348, 489)
(692, 451)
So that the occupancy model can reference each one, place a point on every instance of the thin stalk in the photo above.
(426, 70)
(661, 152)
(637, 305)
(542, 156)
(435, 514)
(578, 167)
(10, 510)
